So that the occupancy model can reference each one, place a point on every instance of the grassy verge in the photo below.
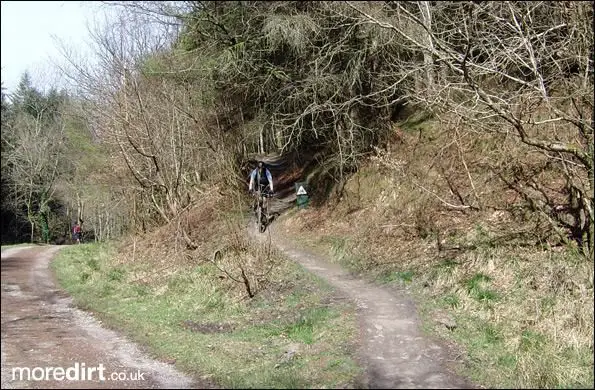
(525, 320)
(291, 335)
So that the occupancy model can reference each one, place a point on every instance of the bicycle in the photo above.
(262, 207)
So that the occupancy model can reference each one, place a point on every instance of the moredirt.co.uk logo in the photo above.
(76, 372)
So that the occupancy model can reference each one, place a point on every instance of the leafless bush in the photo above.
(244, 263)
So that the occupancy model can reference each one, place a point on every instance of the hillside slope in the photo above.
(518, 303)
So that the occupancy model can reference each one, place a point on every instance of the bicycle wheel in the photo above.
(259, 217)
(256, 206)
(262, 221)
(263, 215)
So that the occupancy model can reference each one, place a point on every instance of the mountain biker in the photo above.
(260, 176)
(260, 172)
(76, 232)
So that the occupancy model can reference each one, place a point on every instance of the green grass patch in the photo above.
(191, 316)
(452, 300)
(341, 252)
(303, 329)
(476, 287)
(508, 335)
(531, 340)
(338, 247)
(447, 266)
(416, 121)
(401, 276)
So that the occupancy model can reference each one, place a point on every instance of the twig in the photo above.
(397, 225)
(454, 206)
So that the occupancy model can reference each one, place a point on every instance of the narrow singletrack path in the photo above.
(394, 351)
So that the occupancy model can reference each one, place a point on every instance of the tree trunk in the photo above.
(261, 141)
(80, 209)
(32, 222)
(279, 138)
(45, 227)
(424, 7)
(99, 235)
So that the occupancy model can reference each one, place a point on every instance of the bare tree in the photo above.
(142, 106)
(34, 157)
(522, 69)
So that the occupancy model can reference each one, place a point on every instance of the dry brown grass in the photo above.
(523, 302)
(217, 231)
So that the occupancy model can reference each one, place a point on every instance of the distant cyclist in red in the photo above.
(76, 233)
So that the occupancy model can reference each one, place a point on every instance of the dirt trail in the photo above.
(394, 351)
(40, 328)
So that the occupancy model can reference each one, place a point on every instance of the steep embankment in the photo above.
(430, 215)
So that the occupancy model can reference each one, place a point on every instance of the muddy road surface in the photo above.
(48, 343)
